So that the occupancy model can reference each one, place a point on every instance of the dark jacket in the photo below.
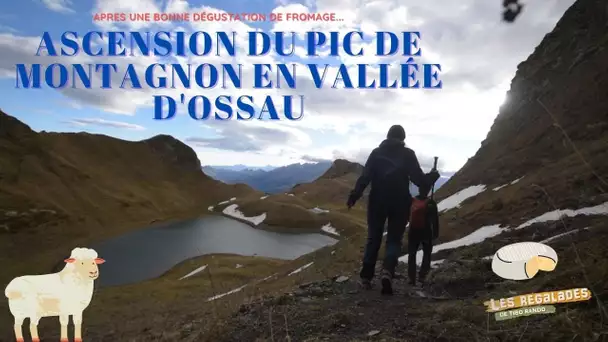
(389, 168)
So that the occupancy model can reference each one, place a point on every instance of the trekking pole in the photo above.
(433, 187)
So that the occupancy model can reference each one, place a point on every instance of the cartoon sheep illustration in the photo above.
(67, 292)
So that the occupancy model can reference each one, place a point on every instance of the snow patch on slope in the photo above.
(198, 270)
(301, 269)
(227, 201)
(475, 237)
(504, 185)
(270, 276)
(227, 293)
(329, 229)
(555, 215)
(317, 210)
(436, 263)
(456, 199)
(233, 211)
(559, 236)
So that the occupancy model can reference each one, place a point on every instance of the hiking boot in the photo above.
(365, 284)
(387, 283)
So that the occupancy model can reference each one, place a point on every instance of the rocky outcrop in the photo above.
(551, 130)
(342, 167)
(174, 152)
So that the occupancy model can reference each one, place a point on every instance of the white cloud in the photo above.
(211, 156)
(20, 49)
(122, 6)
(478, 52)
(61, 6)
(106, 123)
(7, 28)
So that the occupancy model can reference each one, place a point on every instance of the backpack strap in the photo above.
(392, 170)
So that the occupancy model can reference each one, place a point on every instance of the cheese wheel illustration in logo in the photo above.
(523, 260)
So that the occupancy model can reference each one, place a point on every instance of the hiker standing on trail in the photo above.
(389, 168)
(424, 228)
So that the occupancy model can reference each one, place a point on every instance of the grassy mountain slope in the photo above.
(333, 186)
(295, 211)
(552, 131)
(59, 189)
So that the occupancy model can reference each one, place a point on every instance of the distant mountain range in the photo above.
(241, 167)
(281, 179)
(268, 179)
(445, 176)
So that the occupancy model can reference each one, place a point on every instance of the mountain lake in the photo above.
(150, 252)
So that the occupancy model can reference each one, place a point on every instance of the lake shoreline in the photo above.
(148, 253)
(45, 257)
(273, 228)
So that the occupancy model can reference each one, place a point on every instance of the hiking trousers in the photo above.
(378, 213)
(415, 240)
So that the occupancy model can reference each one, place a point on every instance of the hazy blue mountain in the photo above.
(445, 176)
(280, 179)
(241, 167)
(273, 180)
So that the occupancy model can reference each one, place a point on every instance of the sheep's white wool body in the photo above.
(51, 294)
(48, 295)
(65, 293)
(510, 261)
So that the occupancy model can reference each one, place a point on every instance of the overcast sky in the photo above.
(478, 53)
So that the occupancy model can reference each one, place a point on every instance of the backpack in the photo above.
(424, 216)
(418, 214)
